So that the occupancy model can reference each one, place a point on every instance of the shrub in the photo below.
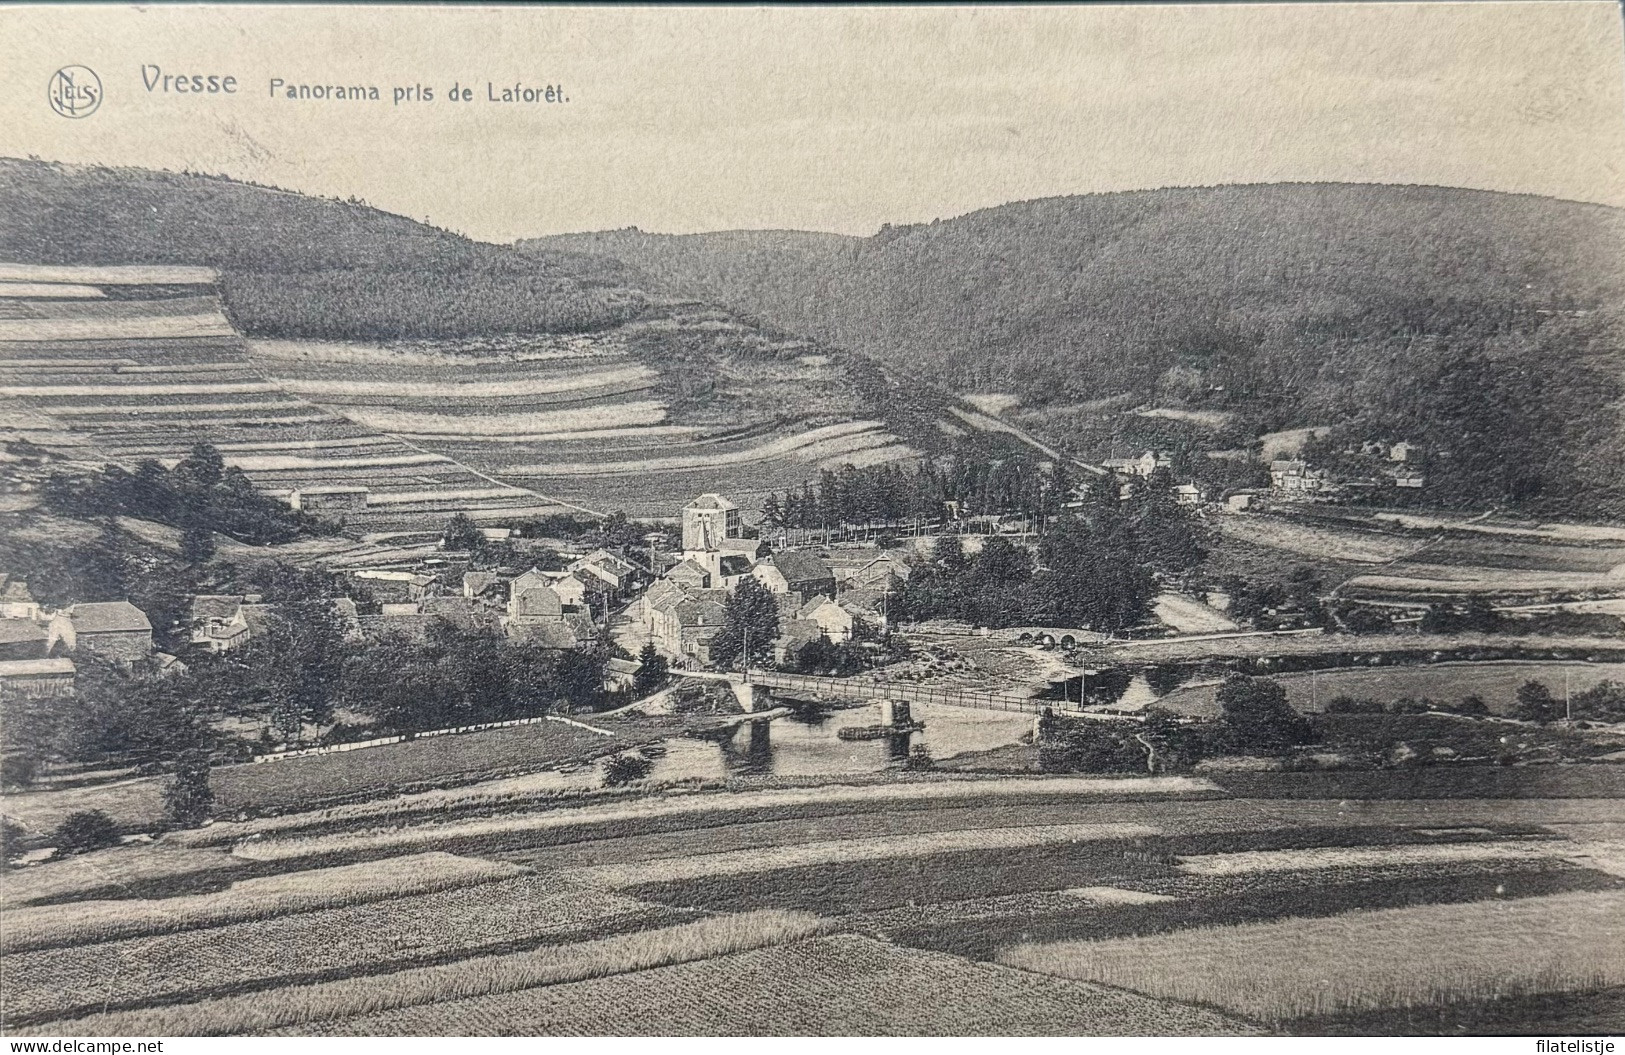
(1353, 705)
(85, 830)
(1473, 705)
(1535, 703)
(18, 771)
(187, 797)
(624, 769)
(11, 837)
(1258, 716)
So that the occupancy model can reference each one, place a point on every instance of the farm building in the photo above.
(22, 639)
(1240, 502)
(386, 584)
(113, 630)
(16, 602)
(1188, 495)
(797, 573)
(329, 498)
(37, 678)
(856, 568)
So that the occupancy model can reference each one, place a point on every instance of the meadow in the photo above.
(1495, 682)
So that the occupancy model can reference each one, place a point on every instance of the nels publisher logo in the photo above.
(75, 91)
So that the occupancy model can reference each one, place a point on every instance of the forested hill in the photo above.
(1483, 322)
(298, 266)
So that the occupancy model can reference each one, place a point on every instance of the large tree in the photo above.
(749, 627)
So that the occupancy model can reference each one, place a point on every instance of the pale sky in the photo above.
(690, 119)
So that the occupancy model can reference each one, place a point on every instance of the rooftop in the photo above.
(710, 500)
(108, 617)
(33, 668)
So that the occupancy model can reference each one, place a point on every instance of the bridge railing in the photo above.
(862, 687)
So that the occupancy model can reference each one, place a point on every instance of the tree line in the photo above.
(973, 477)
(1098, 567)
(200, 495)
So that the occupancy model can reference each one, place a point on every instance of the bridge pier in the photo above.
(745, 693)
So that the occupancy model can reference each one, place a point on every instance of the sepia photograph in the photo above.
(867, 521)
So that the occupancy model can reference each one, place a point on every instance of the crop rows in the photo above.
(79, 922)
(700, 810)
(835, 986)
(303, 1005)
(333, 943)
(1402, 957)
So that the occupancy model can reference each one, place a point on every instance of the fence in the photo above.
(385, 741)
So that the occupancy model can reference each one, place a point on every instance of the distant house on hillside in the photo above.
(1140, 465)
(218, 621)
(1188, 495)
(113, 630)
(1296, 477)
(329, 498)
(16, 602)
(1403, 451)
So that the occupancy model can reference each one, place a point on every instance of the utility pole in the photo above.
(1568, 702)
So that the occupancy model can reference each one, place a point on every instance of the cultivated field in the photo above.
(148, 378)
(598, 419)
(889, 906)
(1436, 954)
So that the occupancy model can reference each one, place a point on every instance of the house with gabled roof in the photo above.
(796, 572)
(218, 622)
(833, 620)
(690, 574)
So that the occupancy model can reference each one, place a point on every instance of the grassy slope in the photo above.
(1291, 304)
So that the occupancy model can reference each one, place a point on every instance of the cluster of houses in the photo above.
(38, 648)
(832, 594)
(1291, 479)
